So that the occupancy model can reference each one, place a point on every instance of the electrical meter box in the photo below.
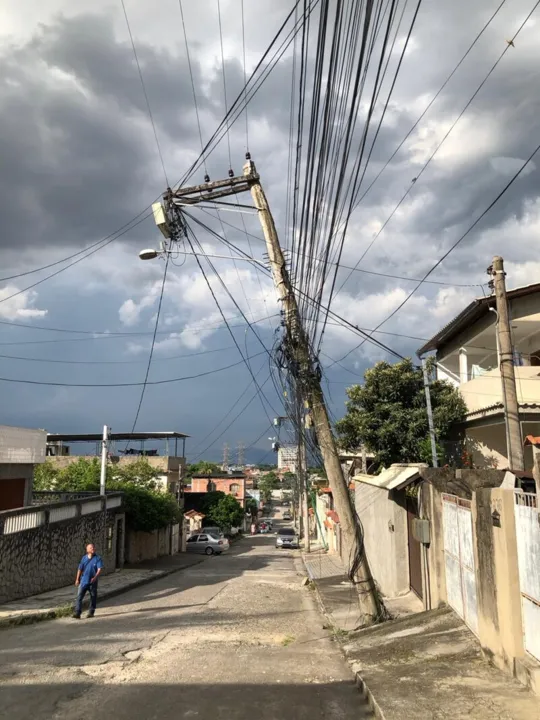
(421, 531)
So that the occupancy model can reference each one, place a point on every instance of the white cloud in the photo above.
(20, 306)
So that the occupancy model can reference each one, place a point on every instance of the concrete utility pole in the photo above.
(309, 381)
(434, 458)
(508, 377)
(104, 451)
(311, 387)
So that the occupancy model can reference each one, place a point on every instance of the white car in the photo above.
(207, 544)
(287, 538)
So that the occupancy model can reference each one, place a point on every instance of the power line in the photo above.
(224, 83)
(453, 247)
(114, 362)
(193, 86)
(425, 166)
(150, 115)
(75, 262)
(151, 354)
(244, 57)
(133, 384)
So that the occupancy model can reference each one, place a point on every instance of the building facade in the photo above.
(20, 450)
(466, 356)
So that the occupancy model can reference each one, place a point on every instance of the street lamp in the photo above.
(148, 254)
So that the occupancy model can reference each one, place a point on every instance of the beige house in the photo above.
(467, 356)
(125, 449)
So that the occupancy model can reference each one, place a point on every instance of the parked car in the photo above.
(287, 538)
(207, 544)
(287, 515)
(211, 530)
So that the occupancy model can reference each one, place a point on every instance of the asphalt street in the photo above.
(235, 638)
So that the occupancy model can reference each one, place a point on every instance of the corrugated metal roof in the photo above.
(474, 311)
(395, 477)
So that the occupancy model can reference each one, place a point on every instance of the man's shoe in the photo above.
(76, 617)
(90, 615)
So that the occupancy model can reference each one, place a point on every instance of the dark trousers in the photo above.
(83, 589)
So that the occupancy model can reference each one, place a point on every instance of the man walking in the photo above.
(87, 580)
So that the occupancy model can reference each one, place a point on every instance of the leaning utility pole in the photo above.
(311, 388)
(306, 374)
(511, 408)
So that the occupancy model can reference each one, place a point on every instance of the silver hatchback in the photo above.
(207, 544)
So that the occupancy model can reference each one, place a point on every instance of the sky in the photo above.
(80, 162)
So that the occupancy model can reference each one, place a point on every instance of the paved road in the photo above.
(234, 638)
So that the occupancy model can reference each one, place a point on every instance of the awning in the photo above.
(393, 478)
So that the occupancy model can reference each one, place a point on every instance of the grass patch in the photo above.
(287, 640)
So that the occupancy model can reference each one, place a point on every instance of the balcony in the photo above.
(485, 391)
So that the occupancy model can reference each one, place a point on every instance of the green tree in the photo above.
(76, 477)
(209, 501)
(388, 413)
(203, 467)
(252, 507)
(146, 507)
(227, 513)
(139, 473)
(266, 484)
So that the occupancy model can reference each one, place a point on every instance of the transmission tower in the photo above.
(240, 454)
(225, 465)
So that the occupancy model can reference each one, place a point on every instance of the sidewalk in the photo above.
(425, 665)
(57, 603)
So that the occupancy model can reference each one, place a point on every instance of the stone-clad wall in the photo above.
(45, 558)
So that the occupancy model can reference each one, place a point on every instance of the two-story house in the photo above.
(467, 356)
(233, 483)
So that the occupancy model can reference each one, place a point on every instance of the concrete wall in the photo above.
(487, 444)
(497, 577)
(495, 553)
(384, 519)
(45, 558)
(142, 546)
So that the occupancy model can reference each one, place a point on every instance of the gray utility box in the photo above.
(420, 531)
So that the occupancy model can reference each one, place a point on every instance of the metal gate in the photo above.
(459, 559)
(528, 547)
(415, 550)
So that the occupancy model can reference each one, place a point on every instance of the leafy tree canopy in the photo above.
(147, 508)
(388, 414)
(203, 467)
(266, 484)
(227, 513)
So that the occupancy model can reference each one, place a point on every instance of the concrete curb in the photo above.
(359, 680)
(31, 617)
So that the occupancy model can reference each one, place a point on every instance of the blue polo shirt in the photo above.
(89, 567)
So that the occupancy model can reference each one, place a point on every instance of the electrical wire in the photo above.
(454, 246)
(132, 384)
(440, 144)
(150, 115)
(151, 354)
(188, 57)
(71, 264)
(114, 362)
(245, 77)
(224, 81)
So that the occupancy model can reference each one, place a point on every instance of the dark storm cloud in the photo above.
(78, 155)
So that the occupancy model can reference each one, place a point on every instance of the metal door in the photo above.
(459, 559)
(415, 551)
(528, 547)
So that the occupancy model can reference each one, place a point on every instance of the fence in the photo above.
(14, 521)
